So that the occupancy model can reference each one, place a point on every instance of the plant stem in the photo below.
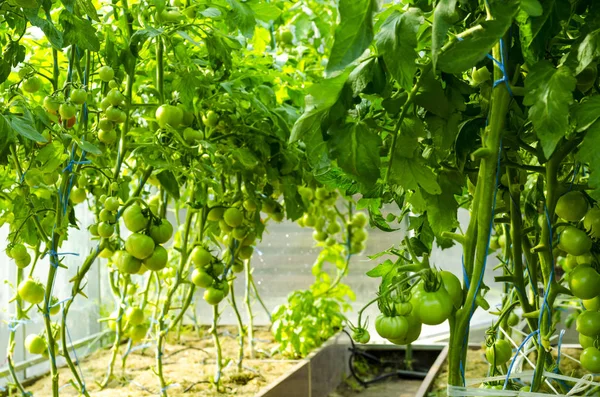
(248, 304)
(478, 232)
(11, 337)
(240, 323)
(219, 358)
(117, 342)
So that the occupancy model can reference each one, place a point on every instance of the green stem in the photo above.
(248, 304)
(118, 335)
(483, 200)
(219, 356)
(11, 338)
(240, 323)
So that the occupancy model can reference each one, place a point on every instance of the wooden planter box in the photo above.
(324, 370)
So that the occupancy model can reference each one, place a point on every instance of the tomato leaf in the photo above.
(7, 137)
(549, 92)
(137, 40)
(89, 147)
(294, 206)
(588, 50)
(265, 12)
(242, 18)
(79, 32)
(86, 7)
(588, 153)
(396, 41)
(381, 269)
(443, 18)
(586, 112)
(533, 8)
(169, 182)
(211, 12)
(54, 36)
(464, 54)
(442, 208)
(413, 173)
(356, 149)
(353, 35)
(25, 128)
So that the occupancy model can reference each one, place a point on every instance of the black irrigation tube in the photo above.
(365, 383)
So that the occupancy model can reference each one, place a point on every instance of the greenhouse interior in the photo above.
(302, 198)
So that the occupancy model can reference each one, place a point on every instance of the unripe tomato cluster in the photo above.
(323, 217)
(112, 106)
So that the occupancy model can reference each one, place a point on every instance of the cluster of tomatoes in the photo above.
(321, 215)
(112, 106)
(576, 243)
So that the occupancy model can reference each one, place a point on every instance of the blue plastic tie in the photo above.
(54, 256)
(72, 162)
(512, 363)
(14, 324)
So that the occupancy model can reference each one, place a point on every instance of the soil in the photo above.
(189, 365)
(477, 367)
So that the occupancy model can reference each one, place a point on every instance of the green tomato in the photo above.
(111, 204)
(35, 344)
(361, 335)
(233, 217)
(413, 332)
(200, 256)
(569, 263)
(216, 214)
(394, 327)
(499, 353)
(106, 73)
(105, 229)
(512, 320)
(158, 260)
(78, 96)
(202, 279)
(319, 236)
(32, 84)
(454, 287)
(574, 241)
(113, 113)
(115, 97)
(139, 245)
(169, 115)
(67, 111)
(31, 291)
(572, 206)
(435, 307)
(250, 205)
(51, 104)
(584, 281)
(126, 263)
(134, 218)
(78, 195)
(191, 135)
(588, 323)
(359, 220)
(591, 222)
(25, 71)
(586, 341)
(107, 137)
(137, 332)
(590, 359)
(134, 316)
(162, 232)
(213, 296)
(592, 304)
(246, 252)
(210, 119)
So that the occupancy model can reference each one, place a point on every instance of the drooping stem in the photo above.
(11, 337)
(240, 323)
(219, 357)
(118, 335)
(248, 304)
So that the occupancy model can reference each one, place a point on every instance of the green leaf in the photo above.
(54, 36)
(408, 137)
(246, 158)
(356, 149)
(381, 269)
(25, 128)
(534, 32)
(397, 41)
(137, 40)
(88, 147)
(549, 92)
(79, 32)
(368, 77)
(86, 7)
(7, 137)
(587, 112)
(211, 12)
(589, 153)
(265, 12)
(169, 182)
(443, 18)
(533, 8)
(432, 97)
(442, 208)
(353, 35)
(413, 173)
(588, 50)
(294, 207)
(464, 54)
(243, 17)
